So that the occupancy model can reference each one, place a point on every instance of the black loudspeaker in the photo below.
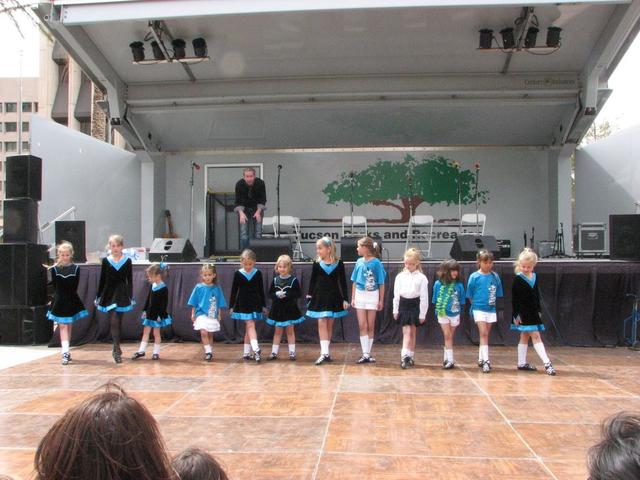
(24, 177)
(24, 325)
(23, 278)
(505, 248)
(21, 220)
(172, 250)
(269, 249)
(74, 233)
(348, 246)
(466, 247)
(624, 237)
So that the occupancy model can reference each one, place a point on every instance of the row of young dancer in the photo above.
(327, 299)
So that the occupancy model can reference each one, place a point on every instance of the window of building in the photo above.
(10, 107)
(0, 124)
(25, 146)
(35, 107)
(85, 127)
(26, 107)
(1, 107)
(25, 127)
(10, 146)
(10, 127)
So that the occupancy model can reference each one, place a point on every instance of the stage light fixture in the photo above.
(508, 40)
(157, 51)
(137, 49)
(486, 38)
(531, 37)
(553, 37)
(178, 48)
(200, 47)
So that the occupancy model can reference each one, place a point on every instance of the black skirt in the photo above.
(409, 311)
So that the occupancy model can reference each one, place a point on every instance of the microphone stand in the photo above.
(410, 181)
(277, 232)
(459, 188)
(477, 214)
(193, 166)
(351, 181)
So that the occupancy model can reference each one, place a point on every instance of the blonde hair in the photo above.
(115, 238)
(153, 270)
(328, 242)
(286, 259)
(209, 267)
(372, 245)
(248, 254)
(526, 255)
(63, 246)
(415, 255)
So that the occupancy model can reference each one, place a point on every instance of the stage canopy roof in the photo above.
(346, 73)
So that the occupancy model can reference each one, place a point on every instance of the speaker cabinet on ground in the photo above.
(23, 278)
(172, 250)
(24, 177)
(21, 220)
(24, 325)
(624, 237)
(269, 249)
(74, 233)
(348, 245)
(466, 247)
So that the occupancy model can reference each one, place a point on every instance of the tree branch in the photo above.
(387, 203)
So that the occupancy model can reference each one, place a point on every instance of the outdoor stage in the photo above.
(585, 298)
(285, 420)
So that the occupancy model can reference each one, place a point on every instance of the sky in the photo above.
(622, 110)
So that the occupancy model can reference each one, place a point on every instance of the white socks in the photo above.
(275, 348)
(324, 347)
(364, 343)
(411, 353)
(208, 349)
(483, 352)
(254, 345)
(65, 346)
(247, 349)
(370, 345)
(404, 353)
(522, 353)
(156, 349)
(292, 348)
(143, 347)
(541, 352)
(448, 355)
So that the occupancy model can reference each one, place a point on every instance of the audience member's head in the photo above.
(108, 436)
(196, 464)
(617, 455)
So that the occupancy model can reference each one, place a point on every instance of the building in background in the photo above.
(16, 108)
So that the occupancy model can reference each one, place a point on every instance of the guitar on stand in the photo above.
(170, 233)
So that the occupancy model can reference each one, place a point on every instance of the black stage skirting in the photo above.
(585, 299)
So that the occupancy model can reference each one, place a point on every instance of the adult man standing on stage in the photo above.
(251, 197)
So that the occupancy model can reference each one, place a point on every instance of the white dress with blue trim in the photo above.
(207, 300)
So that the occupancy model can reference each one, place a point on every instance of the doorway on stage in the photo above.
(222, 226)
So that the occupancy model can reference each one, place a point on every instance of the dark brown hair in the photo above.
(108, 436)
(617, 455)
(445, 269)
(196, 464)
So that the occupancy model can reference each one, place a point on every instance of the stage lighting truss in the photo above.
(522, 37)
(167, 49)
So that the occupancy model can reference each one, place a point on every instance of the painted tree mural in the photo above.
(385, 183)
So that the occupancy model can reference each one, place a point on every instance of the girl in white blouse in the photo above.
(410, 303)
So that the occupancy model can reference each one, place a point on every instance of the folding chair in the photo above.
(416, 221)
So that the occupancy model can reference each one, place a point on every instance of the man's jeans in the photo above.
(250, 229)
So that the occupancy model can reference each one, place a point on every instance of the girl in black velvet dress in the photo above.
(527, 319)
(284, 314)
(115, 290)
(66, 306)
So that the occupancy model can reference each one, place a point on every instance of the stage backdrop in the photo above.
(514, 190)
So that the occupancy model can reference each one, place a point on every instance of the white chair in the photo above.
(424, 222)
(359, 226)
(269, 227)
(469, 223)
(290, 225)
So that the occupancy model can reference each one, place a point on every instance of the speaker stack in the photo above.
(23, 278)
(466, 247)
